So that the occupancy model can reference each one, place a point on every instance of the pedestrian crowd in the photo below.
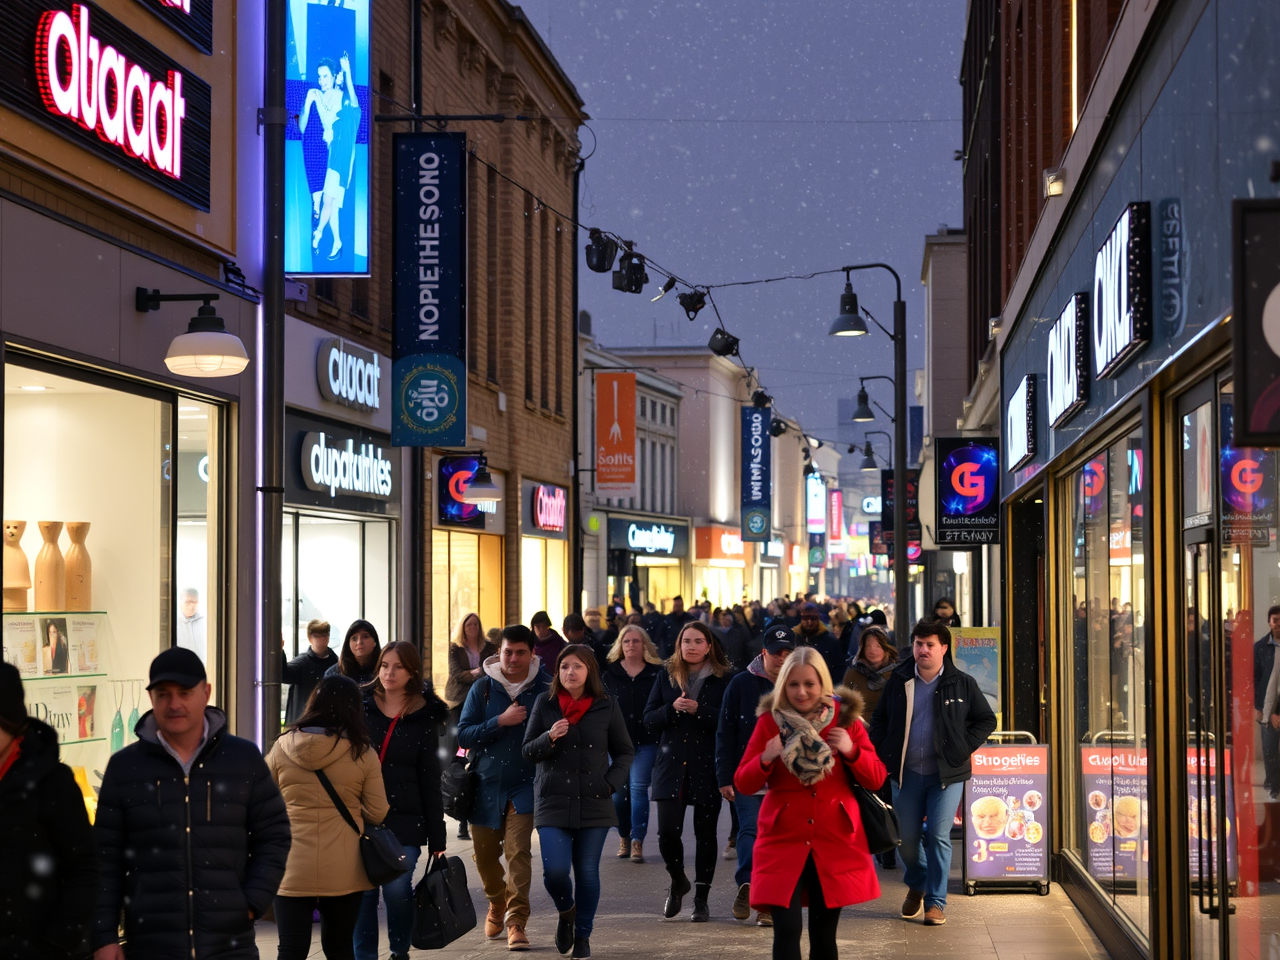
(787, 712)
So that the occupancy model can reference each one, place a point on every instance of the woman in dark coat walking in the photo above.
(634, 665)
(404, 717)
(684, 708)
(45, 913)
(578, 738)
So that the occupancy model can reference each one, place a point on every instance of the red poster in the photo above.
(616, 433)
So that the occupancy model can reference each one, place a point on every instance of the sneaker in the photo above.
(913, 906)
(581, 948)
(934, 917)
(742, 902)
(764, 918)
(516, 939)
(637, 851)
(494, 919)
(730, 851)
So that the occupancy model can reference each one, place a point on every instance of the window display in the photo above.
(466, 577)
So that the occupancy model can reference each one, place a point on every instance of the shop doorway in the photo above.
(1026, 633)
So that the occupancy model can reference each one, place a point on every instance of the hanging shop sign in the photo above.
(757, 448)
(1122, 292)
(913, 503)
(871, 506)
(1006, 815)
(81, 72)
(817, 551)
(1067, 371)
(815, 493)
(835, 523)
(1255, 354)
(453, 475)
(543, 510)
(1172, 255)
(968, 483)
(429, 291)
(326, 159)
(654, 538)
(616, 434)
(1020, 424)
(192, 19)
(348, 374)
(1248, 483)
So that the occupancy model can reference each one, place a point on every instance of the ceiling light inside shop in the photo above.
(34, 388)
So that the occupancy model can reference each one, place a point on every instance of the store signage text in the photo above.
(349, 375)
(756, 492)
(1173, 267)
(731, 545)
(774, 548)
(1067, 373)
(968, 479)
(871, 505)
(346, 469)
(1122, 292)
(653, 539)
(458, 484)
(549, 507)
(1019, 424)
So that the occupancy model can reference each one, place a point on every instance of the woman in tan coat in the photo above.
(324, 868)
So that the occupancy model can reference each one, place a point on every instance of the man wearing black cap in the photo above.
(192, 831)
(814, 633)
(48, 861)
(737, 722)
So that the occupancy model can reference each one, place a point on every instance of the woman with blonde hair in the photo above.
(684, 709)
(810, 848)
(467, 653)
(633, 666)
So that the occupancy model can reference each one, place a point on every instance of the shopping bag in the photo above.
(442, 907)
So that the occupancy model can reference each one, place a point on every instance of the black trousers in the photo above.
(671, 837)
(337, 925)
(788, 922)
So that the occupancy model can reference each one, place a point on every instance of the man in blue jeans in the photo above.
(930, 719)
(737, 722)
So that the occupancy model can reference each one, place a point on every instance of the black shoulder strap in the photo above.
(488, 689)
(337, 801)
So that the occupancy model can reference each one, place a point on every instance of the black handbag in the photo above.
(879, 821)
(383, 855)
(442, 907)
(459, 783)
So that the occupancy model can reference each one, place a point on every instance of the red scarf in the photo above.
(14, 754)
(572, 709)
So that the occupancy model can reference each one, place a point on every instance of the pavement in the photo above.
(629, 923)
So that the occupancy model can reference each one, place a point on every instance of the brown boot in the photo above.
(516, 939)
(637, 851)
(624, 848)
(494, 919)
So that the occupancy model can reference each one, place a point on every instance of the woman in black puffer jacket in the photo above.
(684, 707)
(404, 717)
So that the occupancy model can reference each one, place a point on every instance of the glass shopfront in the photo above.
(648, 560)
(719, 565)
(544, 551)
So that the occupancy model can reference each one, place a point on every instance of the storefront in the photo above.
(769, 560)
(1142, 553)
(648, 560)
(544, 551)
(468, 574)
(719, 565)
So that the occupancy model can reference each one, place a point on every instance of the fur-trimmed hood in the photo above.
(849, 705)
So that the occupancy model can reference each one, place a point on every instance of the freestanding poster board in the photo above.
(1006, 818)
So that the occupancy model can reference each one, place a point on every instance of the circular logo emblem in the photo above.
(430, 398)
(755, 523)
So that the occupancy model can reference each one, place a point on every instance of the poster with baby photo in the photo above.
(21, 646)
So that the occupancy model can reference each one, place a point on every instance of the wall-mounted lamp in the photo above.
(481, 489)
(206, 349)
(1055, 182)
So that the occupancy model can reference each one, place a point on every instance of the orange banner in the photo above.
(616, 433)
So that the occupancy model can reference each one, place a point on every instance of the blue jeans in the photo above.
(579, 849)
(926, 847)
(398, 896)
(748, 808)
(632, 804)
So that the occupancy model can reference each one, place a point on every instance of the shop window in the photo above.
(466, 577)
(543, 578)
(1107, 828)
(642, 408)
(196, 551)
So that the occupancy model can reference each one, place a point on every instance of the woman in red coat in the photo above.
(810, 848)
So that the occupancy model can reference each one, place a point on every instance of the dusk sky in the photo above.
(740, 141)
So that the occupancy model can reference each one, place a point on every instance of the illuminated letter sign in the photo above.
(78, 70)
(349, 375)
(1067, 374)
(549, 507)
(193, 19)
(1020, 425)
(1122, 292)
(344, 469)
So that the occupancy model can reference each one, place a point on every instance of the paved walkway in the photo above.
(629, 924)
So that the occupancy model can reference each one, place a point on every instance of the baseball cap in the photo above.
(778, 639)
(177, 665)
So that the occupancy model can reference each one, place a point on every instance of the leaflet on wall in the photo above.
(1255, 325)
(327, 139)
(968, 483)
(1006, 814)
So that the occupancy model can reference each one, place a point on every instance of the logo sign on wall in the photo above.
(545, 510)
(757, 451)
(616, 434)
(429, 291)
(1173, 253)
(1248, 482)
(326, 159)
(1067, 372)
(968, 483)
(81, 72)
(913, 504)
(1020, 424)
(1255, 355)
(452, 478)
(191, 18)
(339, 466)
(653, 539)
(348, 374)
(1122, 292)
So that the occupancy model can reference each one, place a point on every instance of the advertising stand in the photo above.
(1006, 816)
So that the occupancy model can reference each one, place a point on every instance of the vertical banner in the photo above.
(968, 479)
(616, 434)
(429, 291)
(815, 493)
(835, 525)
(326, 159)
(1248, 483)
(757, 499)
(1255, 354)
(913, 503)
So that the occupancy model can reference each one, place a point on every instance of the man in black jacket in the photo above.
(737, 723)
(192, 832)
(1264, 658)
(930, 719)
(304, 671)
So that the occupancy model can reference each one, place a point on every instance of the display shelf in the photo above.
(63, 676)
(76, 743)
(52, 613)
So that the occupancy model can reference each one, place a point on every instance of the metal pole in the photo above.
(270, 500)
(901, 573)
(575, 512)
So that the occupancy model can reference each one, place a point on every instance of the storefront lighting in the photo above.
(206, 349)
(481, 489)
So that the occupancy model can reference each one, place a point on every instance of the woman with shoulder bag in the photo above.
(810, 848)
(577, 736)
(877, 658)
(634, 665)
(684, 709)
(325, 866)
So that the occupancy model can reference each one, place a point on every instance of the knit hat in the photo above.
(13, 704)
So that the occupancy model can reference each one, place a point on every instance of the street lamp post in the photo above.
(850, 324)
